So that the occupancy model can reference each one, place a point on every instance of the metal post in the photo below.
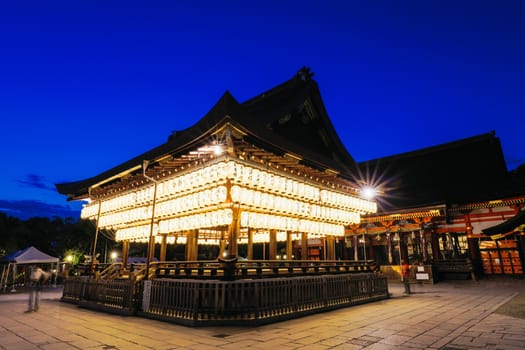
(93, 255)
(151, 242)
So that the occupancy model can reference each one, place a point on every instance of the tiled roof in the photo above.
(290, 118)
(463, 171)
(508, 225)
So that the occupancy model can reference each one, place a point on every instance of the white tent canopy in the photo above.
(27, 256)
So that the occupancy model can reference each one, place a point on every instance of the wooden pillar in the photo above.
(187, 248)
(304, 246)
(272, 249)
(222, 245)
(250, 244)
(233, 233)
(125, 253)
(371, 254)
(356, 247)
(289, 245)
(191, 245)
(163, 244)
(330, 247)
(151, 249)
(195, 248)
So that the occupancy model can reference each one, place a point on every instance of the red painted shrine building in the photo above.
(454, 206)
(270, 176)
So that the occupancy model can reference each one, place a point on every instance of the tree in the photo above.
(55, 236)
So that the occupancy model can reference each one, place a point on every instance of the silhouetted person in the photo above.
(36, 279)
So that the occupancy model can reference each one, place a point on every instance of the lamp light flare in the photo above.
(369, 192)
(217, 150)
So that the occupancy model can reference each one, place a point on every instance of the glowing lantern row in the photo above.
(224, 217)
(193, 201)
(127, 216)
(169, 207)
(273, 203)
(191, 222)
(135, 233)
(195, 180)
(261, 237)
(264, 237)
(253, 198)
(279, 196)
(238, 173)
(262, 179)
(257, 178)
(268, 221)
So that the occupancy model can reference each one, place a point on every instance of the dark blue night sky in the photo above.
(87, 85)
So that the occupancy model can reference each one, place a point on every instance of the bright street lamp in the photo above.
(368, 192)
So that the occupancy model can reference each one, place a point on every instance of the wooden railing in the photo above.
(193, 293)
(213, 269)
(259, 301)
(117, 296)
(111, 271)
(236, 269)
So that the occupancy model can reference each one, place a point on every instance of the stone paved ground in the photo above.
(448, 315)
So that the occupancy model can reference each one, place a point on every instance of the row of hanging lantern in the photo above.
(289, 203)
(238, 173)
(280, 204)
(223, 217)
(270, 221)
(215, 218)
(139, 234)
(244, 196)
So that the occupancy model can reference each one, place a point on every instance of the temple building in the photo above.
(453, 206)
(273, 171)
(269, 170)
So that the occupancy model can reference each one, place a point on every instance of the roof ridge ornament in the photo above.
(305, 73)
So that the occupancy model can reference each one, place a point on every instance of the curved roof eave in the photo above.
(251, 117)
(177, 143)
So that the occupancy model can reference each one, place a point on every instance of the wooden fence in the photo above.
(253, 292)
(115, 296)
(241, 269)
(254, 302)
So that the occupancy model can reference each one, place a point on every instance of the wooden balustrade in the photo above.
(117, 296)
(193, 293)
(259, 301)
(212, 269)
